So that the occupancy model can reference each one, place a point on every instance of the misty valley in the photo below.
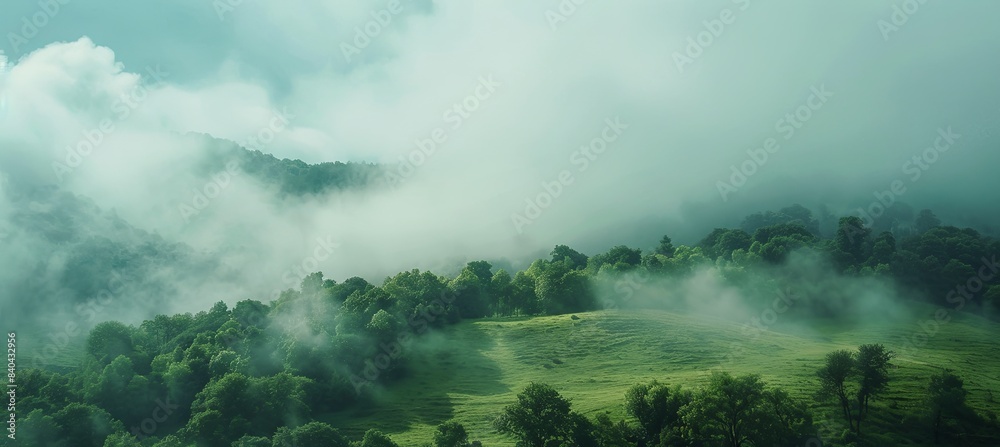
(440, 223)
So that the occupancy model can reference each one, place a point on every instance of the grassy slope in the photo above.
(595, 359)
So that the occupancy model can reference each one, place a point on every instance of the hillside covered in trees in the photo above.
(260, 373)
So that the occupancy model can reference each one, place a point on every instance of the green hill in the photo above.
(469, 372)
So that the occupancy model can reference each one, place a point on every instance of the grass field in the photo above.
(469, 372)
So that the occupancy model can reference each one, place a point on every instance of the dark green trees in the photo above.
(738, 410)
(946, 401)
(854, 379)
(451, 434)
(539, 418)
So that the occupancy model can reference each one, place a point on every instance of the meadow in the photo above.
(470, 371)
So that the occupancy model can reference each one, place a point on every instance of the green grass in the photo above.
(469, 372)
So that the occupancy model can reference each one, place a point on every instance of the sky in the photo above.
(512, 125)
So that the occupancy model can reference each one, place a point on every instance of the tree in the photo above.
(729, 410)
(926, 220)
(451, 434)
(561, 290)
(945, 400)
(539, 417)
(656, 407)
(666, 247)
(257, 441)
(85, 425)
(607, 433)
(375, 438)
(788, 421)
(872, 364)
(384, 326)
(522, 295)
(575, 259)
(471, 290)
(313, 433)
(883, 249)
(834, 377)
(853, 239)
(108, 340)
(620, 258)
(39, 429)
(854, 379)
(501, 290)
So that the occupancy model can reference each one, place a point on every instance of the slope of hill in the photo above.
(469, 372)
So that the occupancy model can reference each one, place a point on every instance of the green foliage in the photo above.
(313, 433)
(297, 178)
(619, 258)
(451, 434)
(868, 369)
(85, 425)
(109, 340)
(665, 247)
(657, 408)
(574, 259)
(239, 374)
(539, 418)
(728, 411)
(375, 438)
(946, 401)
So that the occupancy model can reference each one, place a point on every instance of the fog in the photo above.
(583, 112)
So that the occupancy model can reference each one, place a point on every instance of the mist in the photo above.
(586, 131)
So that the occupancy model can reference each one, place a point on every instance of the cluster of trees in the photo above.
(930, 259)
(730, 410)
(739, 411)
(288, 177)
(298, 178)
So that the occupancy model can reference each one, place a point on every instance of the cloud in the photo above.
(555, 89)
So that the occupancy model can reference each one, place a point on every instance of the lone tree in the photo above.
(854, 379)
(666, 247)
(451, 434)
(539, 417)
(945, 400)
(834, 378)
(542, 418)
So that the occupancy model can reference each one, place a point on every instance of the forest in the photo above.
(268, 373)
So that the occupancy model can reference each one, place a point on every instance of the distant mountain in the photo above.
(293, 177)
